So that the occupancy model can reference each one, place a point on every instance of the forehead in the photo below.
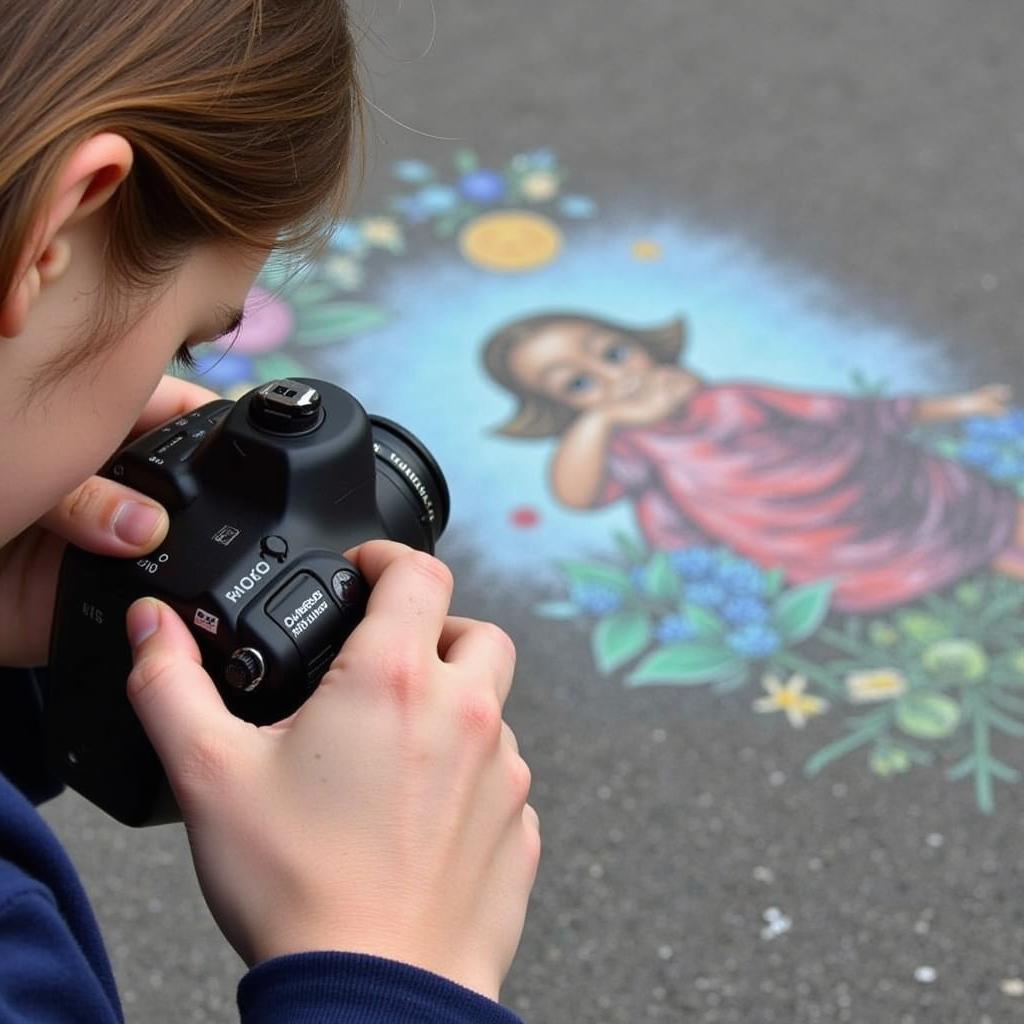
(562, 342)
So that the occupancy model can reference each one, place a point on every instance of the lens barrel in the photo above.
(412, 494)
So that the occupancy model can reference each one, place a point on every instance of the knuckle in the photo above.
(88, 502)
(509, 736)
(431, 569)
(531, 817)
(405, 676)
(531, 834)
(520, 779)
(534, 845)
(479, 716)
(146, 673)
(499, 638)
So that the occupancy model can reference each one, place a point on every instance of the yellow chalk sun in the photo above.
(510, 240)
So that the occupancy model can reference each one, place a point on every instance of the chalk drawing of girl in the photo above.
(822, 486)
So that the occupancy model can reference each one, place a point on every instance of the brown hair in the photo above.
(539, 415)
(240, 113)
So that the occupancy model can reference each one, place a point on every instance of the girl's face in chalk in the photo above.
(582, 365)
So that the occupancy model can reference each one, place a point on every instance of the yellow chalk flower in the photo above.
(875, 684)
(382, 232)
(790, 698)
(345, 272)
(539, 186)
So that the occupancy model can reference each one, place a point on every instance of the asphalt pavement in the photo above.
(865, 160)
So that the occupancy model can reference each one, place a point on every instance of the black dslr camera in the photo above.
(263, 496)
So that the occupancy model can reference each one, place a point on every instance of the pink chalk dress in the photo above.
(822, 486)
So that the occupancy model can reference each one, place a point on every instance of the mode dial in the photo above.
(245, 670)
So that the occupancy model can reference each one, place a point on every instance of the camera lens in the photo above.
(411, 491)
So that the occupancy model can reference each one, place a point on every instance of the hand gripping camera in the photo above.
(264, 495)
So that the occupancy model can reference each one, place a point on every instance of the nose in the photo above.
(607, 373)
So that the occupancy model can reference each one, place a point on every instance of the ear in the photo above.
(89, 177)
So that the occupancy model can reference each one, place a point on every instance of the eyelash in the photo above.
(184, 360)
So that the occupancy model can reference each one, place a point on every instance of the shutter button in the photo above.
(274, 547)
(245, 669)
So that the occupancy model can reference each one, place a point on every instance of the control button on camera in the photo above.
(274, 547)
(165, 446)
(245, 670)
(347, 586)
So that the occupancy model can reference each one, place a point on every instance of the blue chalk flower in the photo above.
(412, 209)
(1008, 466)
(638, 577)
(482, 186)
(980, 452)
(745, 611)
(437, 198)
(674, 629)
(542, 159)
(577, 207)
(740, 577)
(348, 238)
(596, 599)
(754, 641)
(707, 595)
(694, 563)
(992, 428)
(414, 172)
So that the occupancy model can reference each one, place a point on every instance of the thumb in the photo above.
(107, 518)
(174, 698)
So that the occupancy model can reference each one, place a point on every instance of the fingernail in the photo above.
(136, 523)
(143, 619)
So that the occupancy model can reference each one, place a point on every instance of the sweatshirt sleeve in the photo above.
(45, 978)
(352, 988)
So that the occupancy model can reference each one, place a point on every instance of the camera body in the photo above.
(263, 495)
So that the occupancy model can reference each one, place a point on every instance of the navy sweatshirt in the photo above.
(54, 968)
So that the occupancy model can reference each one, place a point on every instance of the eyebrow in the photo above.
(596, 333)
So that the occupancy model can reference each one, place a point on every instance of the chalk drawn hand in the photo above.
(992, 400)
(653, 397)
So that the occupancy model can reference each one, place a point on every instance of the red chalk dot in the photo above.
(525, 517)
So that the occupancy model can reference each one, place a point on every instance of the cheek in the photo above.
(108, 410)
(114, 392)
(65, 438)
(73, 427)
(639, 361)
